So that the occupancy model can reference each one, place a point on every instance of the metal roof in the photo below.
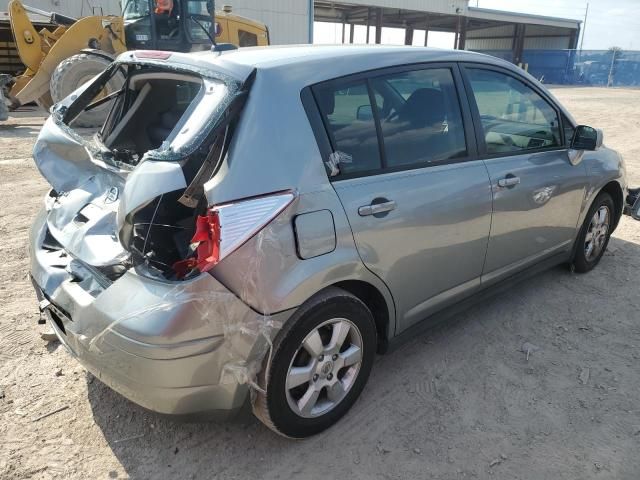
(514, 17)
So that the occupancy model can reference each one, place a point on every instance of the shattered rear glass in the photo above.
(161, 111)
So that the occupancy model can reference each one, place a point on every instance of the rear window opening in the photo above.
(144, 108)
(150, 111)
(163, 114)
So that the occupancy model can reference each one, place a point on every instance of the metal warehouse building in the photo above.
(500, 33)
(291, 21)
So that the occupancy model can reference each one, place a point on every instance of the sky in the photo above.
(609, 23)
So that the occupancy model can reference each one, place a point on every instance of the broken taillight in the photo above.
(226, 227)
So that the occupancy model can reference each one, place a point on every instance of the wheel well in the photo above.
(613, 189)
(373, 299)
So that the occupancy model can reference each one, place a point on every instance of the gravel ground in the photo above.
(461, 401)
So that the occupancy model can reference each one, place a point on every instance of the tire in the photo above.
(74, 72)
(331, 312)
(595, 232)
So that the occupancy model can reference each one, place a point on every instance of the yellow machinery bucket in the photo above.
(41, 52)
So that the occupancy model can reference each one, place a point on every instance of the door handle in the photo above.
(376, 208)
(509, 181)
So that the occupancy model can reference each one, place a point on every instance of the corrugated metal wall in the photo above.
(72, 8)
(486, 39)
(288, 20)
(546, 43)
(536, 37)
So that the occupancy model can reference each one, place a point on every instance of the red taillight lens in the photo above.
(227, 227)
(207, 242)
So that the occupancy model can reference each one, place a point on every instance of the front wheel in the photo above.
(320, 363)
(595, 233)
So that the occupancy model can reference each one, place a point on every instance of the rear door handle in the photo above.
(509, 181)
(376, 208)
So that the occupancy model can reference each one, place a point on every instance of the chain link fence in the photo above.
(612, 68)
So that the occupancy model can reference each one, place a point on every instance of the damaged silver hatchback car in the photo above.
(256, 225)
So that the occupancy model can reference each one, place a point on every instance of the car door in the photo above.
(537, 191)
(418, 203)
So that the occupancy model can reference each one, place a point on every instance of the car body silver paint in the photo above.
(148, 181)
(162, 345)
(263, 281)
(434, 240)
(315, 233)
(62, 158)
(538, 214)
(280, 280)
(603, 166)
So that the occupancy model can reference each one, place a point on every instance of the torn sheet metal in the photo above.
(147, 333)
(161, 341)
(243, 335)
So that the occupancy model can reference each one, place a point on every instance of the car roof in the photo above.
(331, 61)
(295, 67)
(282, 55)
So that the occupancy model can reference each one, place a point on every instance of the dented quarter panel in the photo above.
(267, 273)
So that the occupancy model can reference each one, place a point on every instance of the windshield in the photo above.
(202, 28)
(134, 9)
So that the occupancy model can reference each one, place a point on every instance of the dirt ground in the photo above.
(462, 401)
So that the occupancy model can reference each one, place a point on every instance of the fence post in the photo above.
(613, 59)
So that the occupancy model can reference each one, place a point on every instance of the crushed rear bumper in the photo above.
(173, 347)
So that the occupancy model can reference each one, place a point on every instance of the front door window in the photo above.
(514, 117)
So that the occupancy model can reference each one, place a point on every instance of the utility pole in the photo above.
(584, 27)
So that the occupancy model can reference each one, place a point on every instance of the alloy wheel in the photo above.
(324, 368)
(597, 232)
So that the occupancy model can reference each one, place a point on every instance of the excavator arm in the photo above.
(41, 52)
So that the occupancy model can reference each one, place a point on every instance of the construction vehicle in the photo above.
(59, 60)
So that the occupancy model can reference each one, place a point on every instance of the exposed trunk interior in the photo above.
(166, 126)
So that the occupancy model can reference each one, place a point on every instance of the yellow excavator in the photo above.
(61, 59)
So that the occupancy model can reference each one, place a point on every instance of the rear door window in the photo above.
(420, 117)
(514, 117)
(348, 115)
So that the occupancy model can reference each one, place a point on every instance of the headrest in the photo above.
(327, 100)
(424, 106)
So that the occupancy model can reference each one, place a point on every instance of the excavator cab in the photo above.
(175, 25)
(186, 26)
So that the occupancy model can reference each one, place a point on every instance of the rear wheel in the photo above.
(74, 72)
(320, 363)
(595, 233)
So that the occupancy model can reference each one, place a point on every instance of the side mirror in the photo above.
(587, 138)
(364, 113)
